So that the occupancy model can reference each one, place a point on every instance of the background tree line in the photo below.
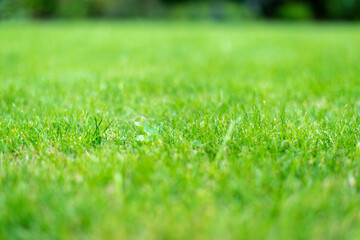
(190, 9)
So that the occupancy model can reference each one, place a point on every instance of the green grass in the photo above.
(179, 131)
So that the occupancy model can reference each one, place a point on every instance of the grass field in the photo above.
(140, 130)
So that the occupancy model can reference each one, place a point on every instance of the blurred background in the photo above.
(219, 10)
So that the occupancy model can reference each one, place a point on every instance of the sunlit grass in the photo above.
(179, 131)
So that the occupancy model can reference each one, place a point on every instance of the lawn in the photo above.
(137, 130)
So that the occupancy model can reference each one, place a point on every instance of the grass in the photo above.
(179, 131)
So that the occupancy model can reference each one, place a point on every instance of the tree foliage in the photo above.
(289, 9)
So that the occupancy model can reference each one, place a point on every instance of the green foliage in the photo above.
(235, 11)
(126, 8)
(14, 9)
(345, 9)
(42, 8)
(209, 10)
(192, 10)
(295, 11)
(73, 9)
(139, 130)
(181, 9)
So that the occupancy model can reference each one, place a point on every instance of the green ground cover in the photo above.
(179, 131)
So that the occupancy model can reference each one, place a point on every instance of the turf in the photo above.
(140, 130)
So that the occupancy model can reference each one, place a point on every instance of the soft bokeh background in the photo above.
(306, 10)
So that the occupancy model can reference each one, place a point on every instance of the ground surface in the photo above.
(179, 131)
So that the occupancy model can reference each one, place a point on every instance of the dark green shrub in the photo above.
(295, 11)
(73, 9)
(343, 9)
(42, 8)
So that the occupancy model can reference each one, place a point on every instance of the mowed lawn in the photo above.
(137, 130)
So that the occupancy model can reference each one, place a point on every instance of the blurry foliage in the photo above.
(126, 8)
(239, 11)
(295, 11)
(188, 9)
(192, 10)
(73, 9)
(344, 9)
(14, 9)
(42, 8)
